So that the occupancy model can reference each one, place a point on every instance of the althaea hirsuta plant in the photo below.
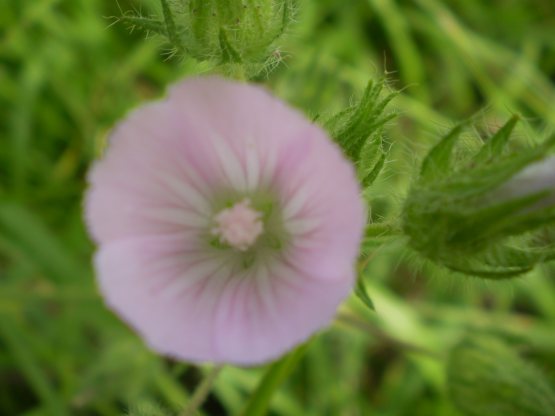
(229, 226)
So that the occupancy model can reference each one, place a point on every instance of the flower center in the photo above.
(238, 226)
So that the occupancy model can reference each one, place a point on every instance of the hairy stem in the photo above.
(202, 391)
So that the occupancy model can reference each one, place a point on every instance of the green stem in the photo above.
(202, 391)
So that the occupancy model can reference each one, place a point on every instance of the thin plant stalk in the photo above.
(202, 391)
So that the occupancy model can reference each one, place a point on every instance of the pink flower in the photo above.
(227, 224)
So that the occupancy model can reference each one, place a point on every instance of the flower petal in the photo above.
(171, 303)
(152, 204)
(259, 319)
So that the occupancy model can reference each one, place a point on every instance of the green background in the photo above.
(69, 71)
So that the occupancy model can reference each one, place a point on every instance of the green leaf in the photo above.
(471, 267)
(354, 126)
(369, 176)
(371, 160)
(502, 261)
(437, 163)
(486, 177)
(287, 13)
(495, 145)
(381, 230)
(171, 29)
(378, 234)
(498, 221)
(146, 24)
(362, 294)
(229, 53)
(260, 399)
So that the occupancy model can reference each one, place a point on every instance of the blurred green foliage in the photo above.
(69, 70)
(486, 377)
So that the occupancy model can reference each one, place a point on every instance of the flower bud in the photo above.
(235, 30)
(238, 35)
(485, 215)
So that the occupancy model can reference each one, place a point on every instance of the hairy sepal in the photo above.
(359, 131)
(457, 215)
(237, 36)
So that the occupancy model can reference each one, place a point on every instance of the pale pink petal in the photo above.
(246, 118)
(141, 281)
(315, 193)
(259, 319)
